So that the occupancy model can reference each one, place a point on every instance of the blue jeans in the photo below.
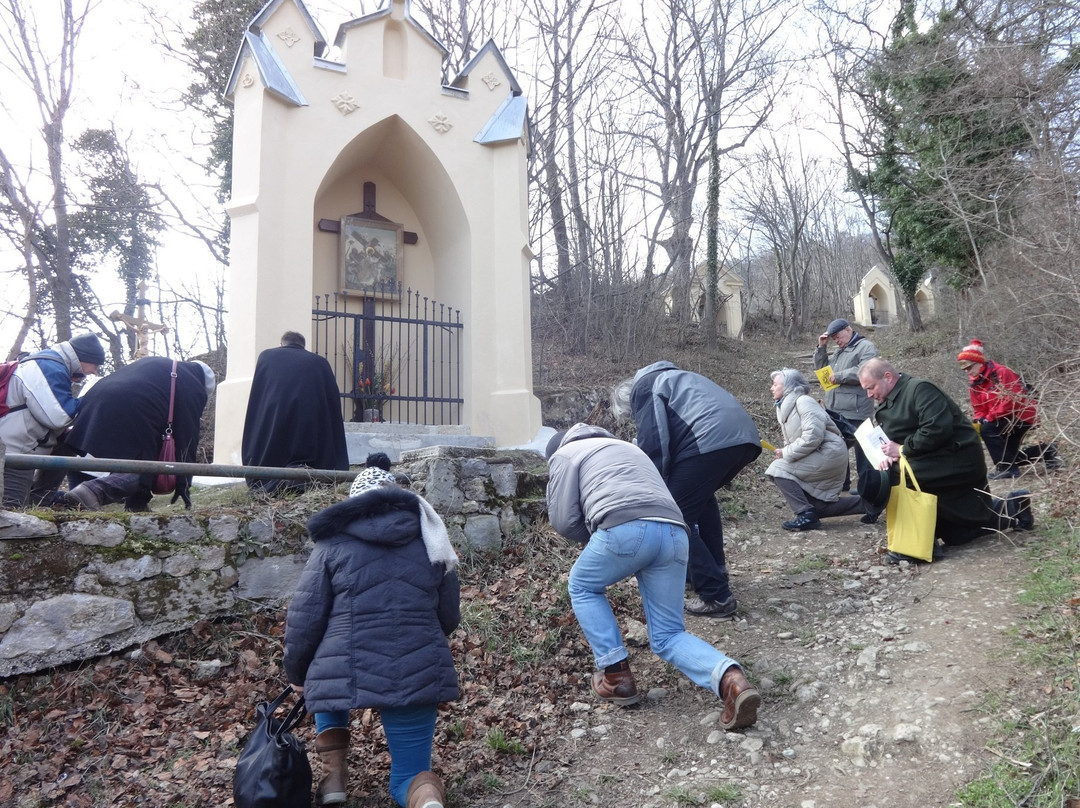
(409, 734)
(655, 553)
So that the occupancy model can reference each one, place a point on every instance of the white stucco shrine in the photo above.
(878, 301)
(368, 127)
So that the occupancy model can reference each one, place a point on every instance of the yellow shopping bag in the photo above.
(910, 517)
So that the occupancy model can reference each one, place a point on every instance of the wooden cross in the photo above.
(334, 225)
(142, 327)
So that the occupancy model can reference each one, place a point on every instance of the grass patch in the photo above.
(723, 794)
(1035, 737)
(498, 740)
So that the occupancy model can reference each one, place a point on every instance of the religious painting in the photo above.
(371, 255)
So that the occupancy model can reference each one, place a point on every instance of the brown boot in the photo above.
(333, 748)
(741, 700)
(618, 687)
(425, 791)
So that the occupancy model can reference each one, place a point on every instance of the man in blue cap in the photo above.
(39, 405)
(848, 400)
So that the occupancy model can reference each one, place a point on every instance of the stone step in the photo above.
(364, 438)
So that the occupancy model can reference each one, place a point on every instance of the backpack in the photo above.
(7, 370)
(846, 427)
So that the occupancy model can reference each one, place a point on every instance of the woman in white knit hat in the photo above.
(368, 627)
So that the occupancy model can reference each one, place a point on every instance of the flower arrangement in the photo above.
(376, 390)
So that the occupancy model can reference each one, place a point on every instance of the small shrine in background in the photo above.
(879, 301)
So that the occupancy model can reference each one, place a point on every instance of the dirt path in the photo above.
(873, 679)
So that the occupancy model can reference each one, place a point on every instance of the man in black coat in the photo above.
(124, 417)
(293, 414)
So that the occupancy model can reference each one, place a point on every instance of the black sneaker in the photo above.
(807, 520)
(896, 558)
(869, 518)
(1004, 474)
(711, 608)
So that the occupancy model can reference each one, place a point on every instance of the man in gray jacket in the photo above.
(607, 494)
(699, 437)
(849, 399)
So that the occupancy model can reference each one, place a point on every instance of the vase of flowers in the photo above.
(376, 390)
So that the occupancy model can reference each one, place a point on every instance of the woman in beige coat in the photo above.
(809, 469)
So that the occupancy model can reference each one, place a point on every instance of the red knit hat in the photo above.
(972, 353)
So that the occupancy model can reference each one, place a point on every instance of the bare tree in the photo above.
(703, 64)
(49, 74)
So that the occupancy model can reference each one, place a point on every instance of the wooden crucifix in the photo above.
(142, 327)
(334, 225)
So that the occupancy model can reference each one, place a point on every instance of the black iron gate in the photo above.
(395, 353)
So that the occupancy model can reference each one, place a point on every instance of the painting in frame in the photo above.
(371, 256)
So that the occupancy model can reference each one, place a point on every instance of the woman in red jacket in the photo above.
(1004, 410)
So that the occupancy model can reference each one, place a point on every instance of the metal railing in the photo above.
(63, 463)
(396, 354)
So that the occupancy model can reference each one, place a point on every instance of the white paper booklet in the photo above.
(872, 440)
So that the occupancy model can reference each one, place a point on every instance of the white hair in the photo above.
(620, 399)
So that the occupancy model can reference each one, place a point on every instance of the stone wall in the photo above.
(77, 585)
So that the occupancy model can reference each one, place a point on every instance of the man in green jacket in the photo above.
(944, 451)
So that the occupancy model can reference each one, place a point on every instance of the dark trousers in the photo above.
(693, 484)
(1004, 446)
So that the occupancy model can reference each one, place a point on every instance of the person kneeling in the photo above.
(809, 469)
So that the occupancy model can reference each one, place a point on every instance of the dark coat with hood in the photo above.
(294, 413)
(368, 623)
(124, 415)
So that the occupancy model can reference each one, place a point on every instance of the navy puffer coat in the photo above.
(368, 623)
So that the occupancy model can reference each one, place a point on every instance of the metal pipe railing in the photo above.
(61, 463)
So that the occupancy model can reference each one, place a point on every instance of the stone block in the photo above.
(482, 532)
(15, 525)
(64, 622)
(269, 578)
(93, 532)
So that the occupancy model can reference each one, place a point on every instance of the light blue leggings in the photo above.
(409, 734)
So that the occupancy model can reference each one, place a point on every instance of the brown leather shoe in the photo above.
(741, 700)
(618, 687)
(425, 791)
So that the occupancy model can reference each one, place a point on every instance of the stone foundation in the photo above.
(75, 585)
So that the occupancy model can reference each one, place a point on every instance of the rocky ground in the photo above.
(874, 678)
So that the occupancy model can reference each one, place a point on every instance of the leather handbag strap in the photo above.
(172, 397)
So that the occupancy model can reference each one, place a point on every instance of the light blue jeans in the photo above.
(655, 553)
(409, 733)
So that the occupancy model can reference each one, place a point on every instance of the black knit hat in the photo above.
(553, 443)
(88, 348)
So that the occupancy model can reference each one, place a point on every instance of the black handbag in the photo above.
(273, 771)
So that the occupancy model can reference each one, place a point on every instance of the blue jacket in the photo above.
(681, 414)
(368, 623)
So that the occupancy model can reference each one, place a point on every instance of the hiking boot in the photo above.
(425, 791)
(617, 687)
(332, 746)
(807, 520)
(741, 700)
(870, 518)
(1006, 473)
(82, 498)
(711, 608)
(1018, 507)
